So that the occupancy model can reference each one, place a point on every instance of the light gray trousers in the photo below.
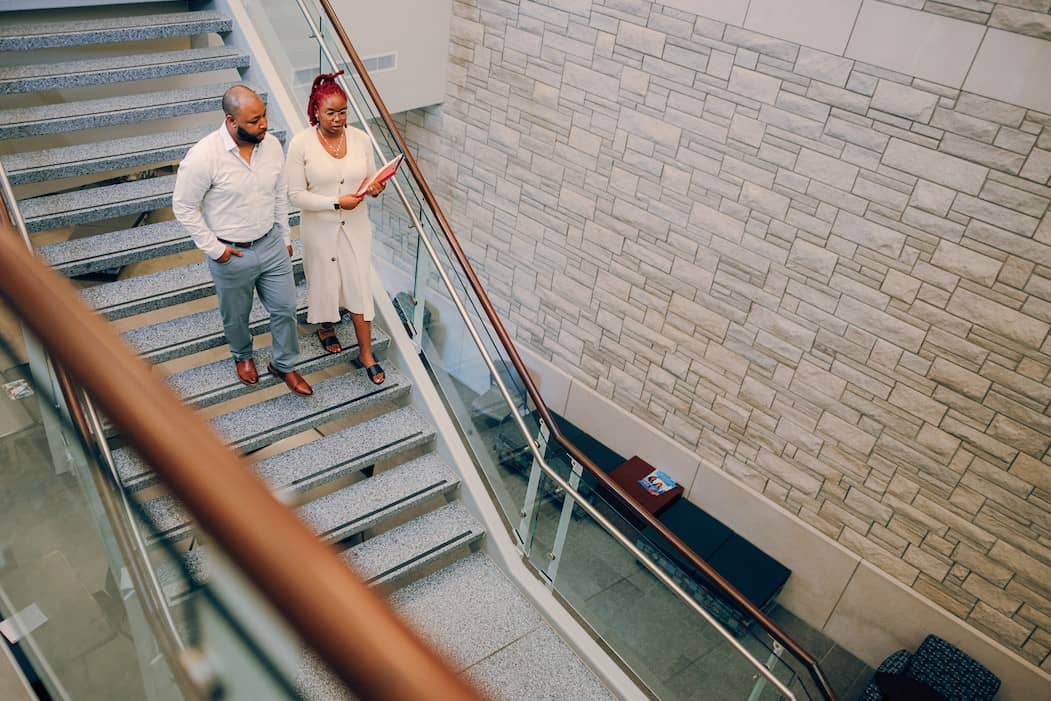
(267, 269)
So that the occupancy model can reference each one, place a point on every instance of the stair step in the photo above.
(118, 69)
(257, 425)
(146, 293)
(199, 331)
(388, 557)
(25, 37)
(366, 504)
(116, 249)
(112, 111)
(104, 156)
(398, 553)
(329, 458)
(169, 519)
(96, 203)
(175, 583)
(216, 382)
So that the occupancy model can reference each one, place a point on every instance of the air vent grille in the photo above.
(383, 62)
(373, 64)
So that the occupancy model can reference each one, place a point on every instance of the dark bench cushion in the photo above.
(701, 532)
(754, 573)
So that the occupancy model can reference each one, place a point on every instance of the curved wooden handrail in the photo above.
(727, 589)
(353, 630)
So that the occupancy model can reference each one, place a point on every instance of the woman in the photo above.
(326, 165)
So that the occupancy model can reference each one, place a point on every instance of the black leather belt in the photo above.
(242, 244)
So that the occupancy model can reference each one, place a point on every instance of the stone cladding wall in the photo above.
(829, 279)
(1022, 16)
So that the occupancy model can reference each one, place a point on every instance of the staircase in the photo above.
(95, 174)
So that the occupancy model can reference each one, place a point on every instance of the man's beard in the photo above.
(250, 138)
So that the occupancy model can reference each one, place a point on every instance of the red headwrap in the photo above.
(324, 85)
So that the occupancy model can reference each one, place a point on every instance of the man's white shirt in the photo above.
(219, 195)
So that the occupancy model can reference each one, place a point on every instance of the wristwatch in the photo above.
(335, 205)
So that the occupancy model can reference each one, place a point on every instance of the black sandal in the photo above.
(329, 339)
(372, 370)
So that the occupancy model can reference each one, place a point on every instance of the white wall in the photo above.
(417, 31)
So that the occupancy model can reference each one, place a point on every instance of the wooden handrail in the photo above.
(727, 589)
(357, 633)
(65, 385)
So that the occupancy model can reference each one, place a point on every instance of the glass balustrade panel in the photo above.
(71, 615)
(666, 643)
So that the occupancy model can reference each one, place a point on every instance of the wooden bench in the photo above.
(755, 574)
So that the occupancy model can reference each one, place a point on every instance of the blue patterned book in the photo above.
(657, 483)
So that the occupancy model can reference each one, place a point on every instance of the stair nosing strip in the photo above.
(157, 20)
(436, 488)
(149, 60)
(74, 261)
(420, 556)
(172, 534)
(344, 464)
(318, 413)
(157, 296)
(98, 208)
(185, 524)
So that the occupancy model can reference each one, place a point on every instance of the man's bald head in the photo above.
(239, 97)
(245, 114)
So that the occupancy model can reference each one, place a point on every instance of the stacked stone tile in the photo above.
(1021, 16)
(830, 279)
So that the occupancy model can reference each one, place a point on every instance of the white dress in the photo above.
(337, 244)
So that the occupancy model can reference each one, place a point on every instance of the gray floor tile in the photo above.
(469, 610)
(538, 667)
(843, 669)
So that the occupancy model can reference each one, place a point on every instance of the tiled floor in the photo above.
(54, 557)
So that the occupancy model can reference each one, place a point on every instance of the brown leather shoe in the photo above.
(293, 379)
(246, 372)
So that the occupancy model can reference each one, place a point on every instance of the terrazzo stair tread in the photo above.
(199, 331)
(174, 584)
(216, 382)
(118, 69)
(25, 37)
(119, 248)
(104, 156)
(381, 438)
(366, 504)
(94, 204)
(113, 111)
(333, 456)
(397, 553)
(146, 293)
(257, 425)
(394, 554)
(169, 520)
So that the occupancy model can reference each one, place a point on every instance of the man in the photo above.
(230, 194)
